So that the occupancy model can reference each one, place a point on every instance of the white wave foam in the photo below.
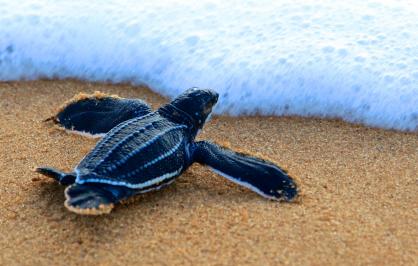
(357, 60)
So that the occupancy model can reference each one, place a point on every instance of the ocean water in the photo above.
(356, 60)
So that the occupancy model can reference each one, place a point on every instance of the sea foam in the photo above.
(356, 60)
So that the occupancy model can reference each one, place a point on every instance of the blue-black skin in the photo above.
(106, 113)
(148, 150)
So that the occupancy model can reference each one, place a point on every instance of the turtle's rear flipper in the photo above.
(98, 113)
(63, 178)
(94, 199)
(259, 175)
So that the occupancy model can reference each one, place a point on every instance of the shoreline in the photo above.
(358, 202)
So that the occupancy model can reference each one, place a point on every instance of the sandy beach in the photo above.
(358, 202)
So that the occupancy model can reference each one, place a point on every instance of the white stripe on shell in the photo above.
(127, 123)
(156, 160)
(156, 188)
(145, 184)
(244, 184)
(121, 142)
(116, 129)
(139, 149)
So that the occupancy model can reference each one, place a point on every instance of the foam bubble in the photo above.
(356, 60)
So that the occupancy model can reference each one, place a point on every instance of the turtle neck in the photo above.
(179, 116)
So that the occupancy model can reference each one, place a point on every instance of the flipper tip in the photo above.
(100, 210)
(48, 171)
(289, 195)
(88, 200)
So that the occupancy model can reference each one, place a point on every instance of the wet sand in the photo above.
(358, 203)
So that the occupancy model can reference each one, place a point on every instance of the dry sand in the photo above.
(359, 202)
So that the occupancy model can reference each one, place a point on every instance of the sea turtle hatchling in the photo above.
(143, 151)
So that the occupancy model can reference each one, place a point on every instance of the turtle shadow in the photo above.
(50, 196)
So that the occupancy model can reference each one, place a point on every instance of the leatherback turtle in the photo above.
(142, 151)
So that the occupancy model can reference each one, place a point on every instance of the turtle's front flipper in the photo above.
(259, 175)
(61, 177)
(98, 113)
(94, 199)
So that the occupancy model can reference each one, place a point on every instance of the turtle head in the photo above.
(197, 103)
